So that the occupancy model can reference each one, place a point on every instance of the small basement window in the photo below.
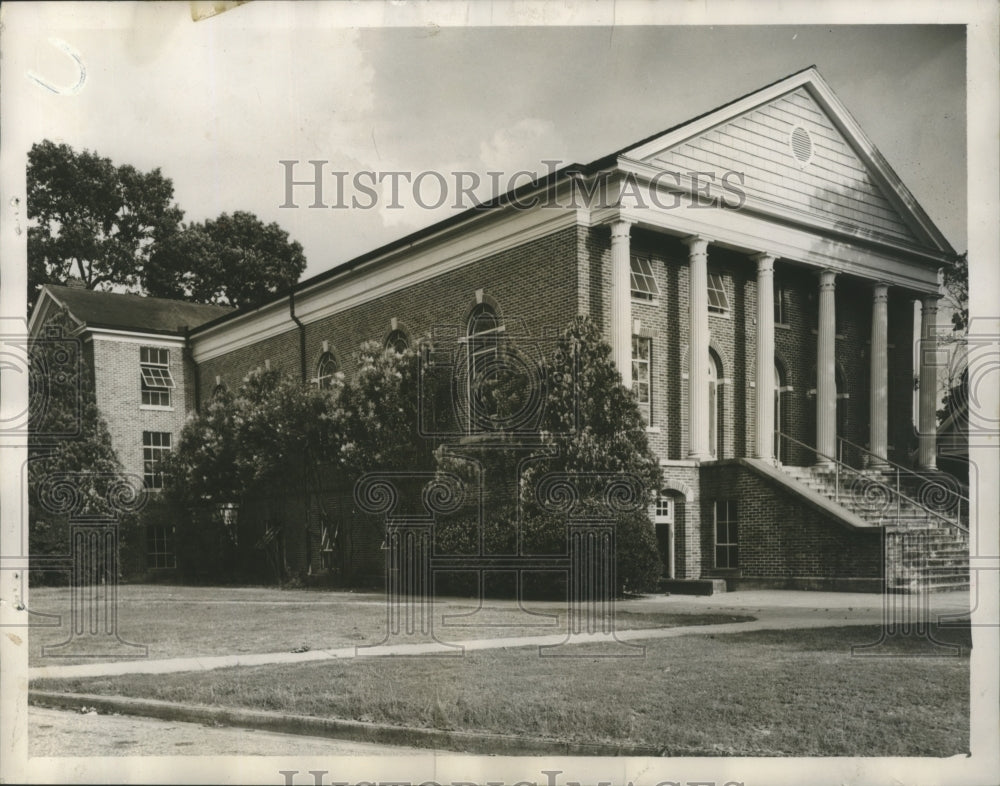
(726, 535)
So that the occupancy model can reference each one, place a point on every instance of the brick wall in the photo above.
(783, 541)
(535, 282)
(117, 383)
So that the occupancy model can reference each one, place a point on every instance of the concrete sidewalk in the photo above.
(775, 610)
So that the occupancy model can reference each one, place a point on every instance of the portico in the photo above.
(760, 344)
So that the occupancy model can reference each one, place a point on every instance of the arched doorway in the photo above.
(716, 420)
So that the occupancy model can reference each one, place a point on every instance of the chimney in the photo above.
(75, 282)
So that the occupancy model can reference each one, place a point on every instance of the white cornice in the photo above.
(259, 325)
(133, 337)
(748, 234)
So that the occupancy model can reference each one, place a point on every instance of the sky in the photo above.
(217, 104)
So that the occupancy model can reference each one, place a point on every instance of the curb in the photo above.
(359, 731)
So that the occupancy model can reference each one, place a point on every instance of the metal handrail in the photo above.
(898, 467)
(900, 496)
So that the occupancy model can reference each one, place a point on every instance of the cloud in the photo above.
(522, 146)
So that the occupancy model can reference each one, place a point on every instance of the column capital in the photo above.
(765, 261)
(929, 302)
(621, 227)
(880, 292)
(827, 279)
(696, 244)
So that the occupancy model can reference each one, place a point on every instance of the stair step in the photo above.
(939, 559)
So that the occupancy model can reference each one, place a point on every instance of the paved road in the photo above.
(64, 733)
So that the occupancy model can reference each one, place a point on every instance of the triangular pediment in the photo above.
(801, 155)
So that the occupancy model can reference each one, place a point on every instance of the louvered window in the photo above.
(156, 381)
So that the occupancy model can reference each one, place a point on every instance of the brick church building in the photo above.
(756, 271)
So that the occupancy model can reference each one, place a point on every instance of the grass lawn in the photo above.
(178, 622)
(763, 693)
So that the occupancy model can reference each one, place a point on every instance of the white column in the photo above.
(698, 349)
(826, 363)
(927, 424)
(621, 300)
(878, 393)
(765, 356)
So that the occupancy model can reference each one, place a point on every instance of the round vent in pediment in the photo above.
(801, 144)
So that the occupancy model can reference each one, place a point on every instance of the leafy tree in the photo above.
(232, 260)
(273, 433)
(592, 430)
(92, 219)
(67, 435)
(114, 226)
(956, 285)
(380, 415)
(956, 295)
(590, 417)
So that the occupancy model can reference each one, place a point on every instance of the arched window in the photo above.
(716, 431)
(483, 333)
(779, 385)
(325, 371)
(219, 391)
(397, 342)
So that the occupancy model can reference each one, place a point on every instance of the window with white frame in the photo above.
(484, 339)
(326, 371)
(780, 302)
(642, 350)
(155, 447)
(643, 282)
(664, 513)
(156, 381)
(718, 301)
(160, 551)
(726, 534)
(397, 342)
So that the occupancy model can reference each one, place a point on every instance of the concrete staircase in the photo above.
(925, 552)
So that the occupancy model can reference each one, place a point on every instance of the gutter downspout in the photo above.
(302, 335)
(196, 375)
(305, 475)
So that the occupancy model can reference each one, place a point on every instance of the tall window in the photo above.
(718, 302)
(643, 282)
(780, 302)
(641, 353)
(326, 370)
(155, 447)
(397, 342)
(160, 551)
(779, 383)
(154, 368)
(716, 412)
(483, 333)
(726, 535)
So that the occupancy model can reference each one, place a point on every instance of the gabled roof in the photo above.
(899, 213)
(883, 174)
(115, 311)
